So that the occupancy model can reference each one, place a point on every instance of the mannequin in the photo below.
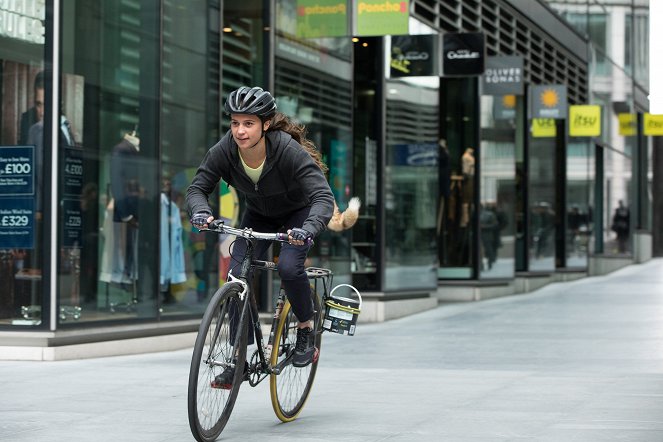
(133, 140)
(121, 222)
(467, 161)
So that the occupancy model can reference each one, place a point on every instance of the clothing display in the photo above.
(118, 261)
(172, 249)
(125, 185)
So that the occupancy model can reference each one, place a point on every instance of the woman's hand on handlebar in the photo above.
(201, 220)
(299, 237)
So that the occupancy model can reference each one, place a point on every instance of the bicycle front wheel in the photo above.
(221, 342)
(291, 387)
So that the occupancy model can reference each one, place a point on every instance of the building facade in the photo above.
(109, 107)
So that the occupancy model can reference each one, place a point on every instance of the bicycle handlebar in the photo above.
(219, 226)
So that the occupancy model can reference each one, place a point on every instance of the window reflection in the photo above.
(23, 90)
(411, 191)
(457, 214)
(541, 185)
(579, 203)
(497, 209)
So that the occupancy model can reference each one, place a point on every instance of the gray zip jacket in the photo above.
(290, 180)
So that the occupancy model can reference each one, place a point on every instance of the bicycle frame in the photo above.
(259, 369)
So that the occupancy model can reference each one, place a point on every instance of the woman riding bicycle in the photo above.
(267, 157)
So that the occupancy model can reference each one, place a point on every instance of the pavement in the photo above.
(573, 361)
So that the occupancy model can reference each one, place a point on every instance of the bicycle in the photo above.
(222, 341)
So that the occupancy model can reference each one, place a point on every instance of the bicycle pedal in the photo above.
(220, 386)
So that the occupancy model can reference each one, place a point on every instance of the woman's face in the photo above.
(247, 129)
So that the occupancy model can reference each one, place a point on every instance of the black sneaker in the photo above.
(305, 351)
(224, 380)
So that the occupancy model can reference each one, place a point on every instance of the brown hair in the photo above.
(298, 132)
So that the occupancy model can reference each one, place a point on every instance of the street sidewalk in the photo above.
(574, 361)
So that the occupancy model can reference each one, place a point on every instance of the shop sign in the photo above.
(548, 101)
(23, 20)
(585, 121)
(652, 124)
(417, 155)
(414, 55)
(504, 107)
(503, 76)
(544, 128)
(628, 124)
(463, 54)
(322, 18)
(381, 17)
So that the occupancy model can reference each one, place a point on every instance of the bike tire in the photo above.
(209, 408)
(290, 389)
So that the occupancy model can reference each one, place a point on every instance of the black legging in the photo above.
(291, 258)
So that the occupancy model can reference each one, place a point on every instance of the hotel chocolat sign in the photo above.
(463, 54)
(503, 76)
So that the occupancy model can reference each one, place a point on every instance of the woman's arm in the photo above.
(314, 184)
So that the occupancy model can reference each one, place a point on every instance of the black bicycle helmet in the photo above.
(252, 101)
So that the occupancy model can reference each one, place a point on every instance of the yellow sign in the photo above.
(543, 127)
(652, 124)
(628, 124)
(381, 17)
(585, 121)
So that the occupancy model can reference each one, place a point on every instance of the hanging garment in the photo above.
(120, 252)
(172, 250)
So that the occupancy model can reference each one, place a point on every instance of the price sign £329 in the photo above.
(14, 220)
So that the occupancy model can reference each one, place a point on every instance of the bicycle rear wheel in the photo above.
(221, 341)
(291, 387)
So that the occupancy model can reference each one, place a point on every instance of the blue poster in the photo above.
(17, 216)
(417, 155)
(17, 175)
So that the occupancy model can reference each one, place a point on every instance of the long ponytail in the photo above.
(298, 132)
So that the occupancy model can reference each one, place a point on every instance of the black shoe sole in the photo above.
(309, 360)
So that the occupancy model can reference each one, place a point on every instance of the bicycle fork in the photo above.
(280, 302)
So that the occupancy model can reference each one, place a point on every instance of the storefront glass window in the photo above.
(411, 183)
(541, 203)
(613, 92)
(109, 207)
(456, 252)
(24, 94)
(313, 86)
(190, 122)
(499, 115)
(579, 203)
(617, 217)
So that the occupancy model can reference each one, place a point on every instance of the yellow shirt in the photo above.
(254, 174)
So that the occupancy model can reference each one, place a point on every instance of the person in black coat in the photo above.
(621, 224)
(268, 159)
